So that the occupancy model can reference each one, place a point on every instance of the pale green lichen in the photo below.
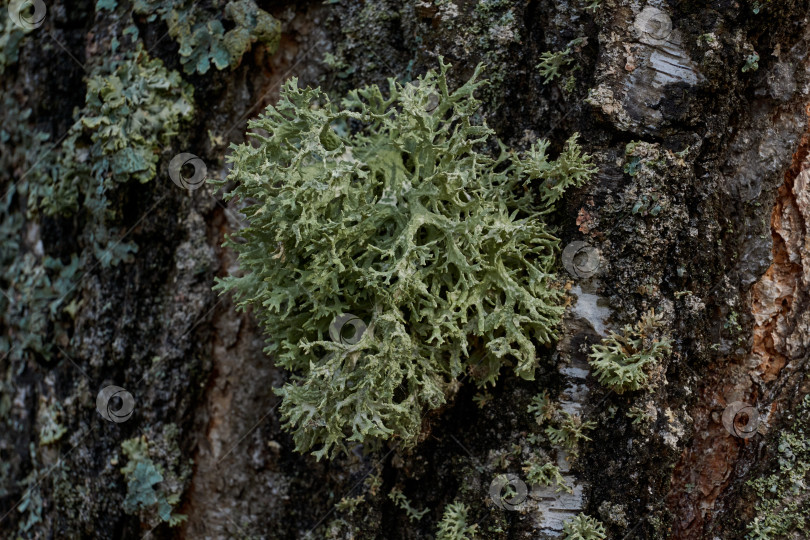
(403, 503)
(11, 35)
(152, 492)
(50, 419)
(639, 415)
(132, 107)
(570, 430)
(552, 63)
(544, 473)
(584, 527)
(565, 429)
(783, 506)
(622, 361)
(751, 63)
(593, 5)
(385, 208)
(482, 399)
(455, 523)
(350, 504)
(202, 37)
(542, 407)
(36, 300)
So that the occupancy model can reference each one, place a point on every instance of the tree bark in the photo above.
(696, 115)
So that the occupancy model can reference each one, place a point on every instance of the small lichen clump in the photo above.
(11, 35)
(405, 504)
(583, 527)
(783, 507)
(35, 301)
(152, 492)
(133, 106)
(454, 524)
(551, 63)
(569, 432)
(202, 37)
(386, 208)
(565, 430)
(544, 473)
(622, 361)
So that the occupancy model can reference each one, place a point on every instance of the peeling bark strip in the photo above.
(780, 339)
(554, 507)
(774, 294)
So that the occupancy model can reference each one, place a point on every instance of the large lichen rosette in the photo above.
(388, 207)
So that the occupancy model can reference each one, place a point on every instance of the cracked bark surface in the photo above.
(730, 243)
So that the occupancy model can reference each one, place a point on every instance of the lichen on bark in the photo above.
(385, 208)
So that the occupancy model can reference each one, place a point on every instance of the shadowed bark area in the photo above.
(696, 115)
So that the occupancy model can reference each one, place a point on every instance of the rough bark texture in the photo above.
(703, 218)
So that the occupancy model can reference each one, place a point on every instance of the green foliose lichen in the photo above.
(387, 208)
(202, 37)
(35, 289)
(455, 523)
(403, 503)
(552, 63)
(545, 473)
(569, 431)
(11, 36)
(622, 361)
(565, 430)
(783, 505)
(584, 527)
(542, 407)
(152, 489)
(133, 106)
(50, 419)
